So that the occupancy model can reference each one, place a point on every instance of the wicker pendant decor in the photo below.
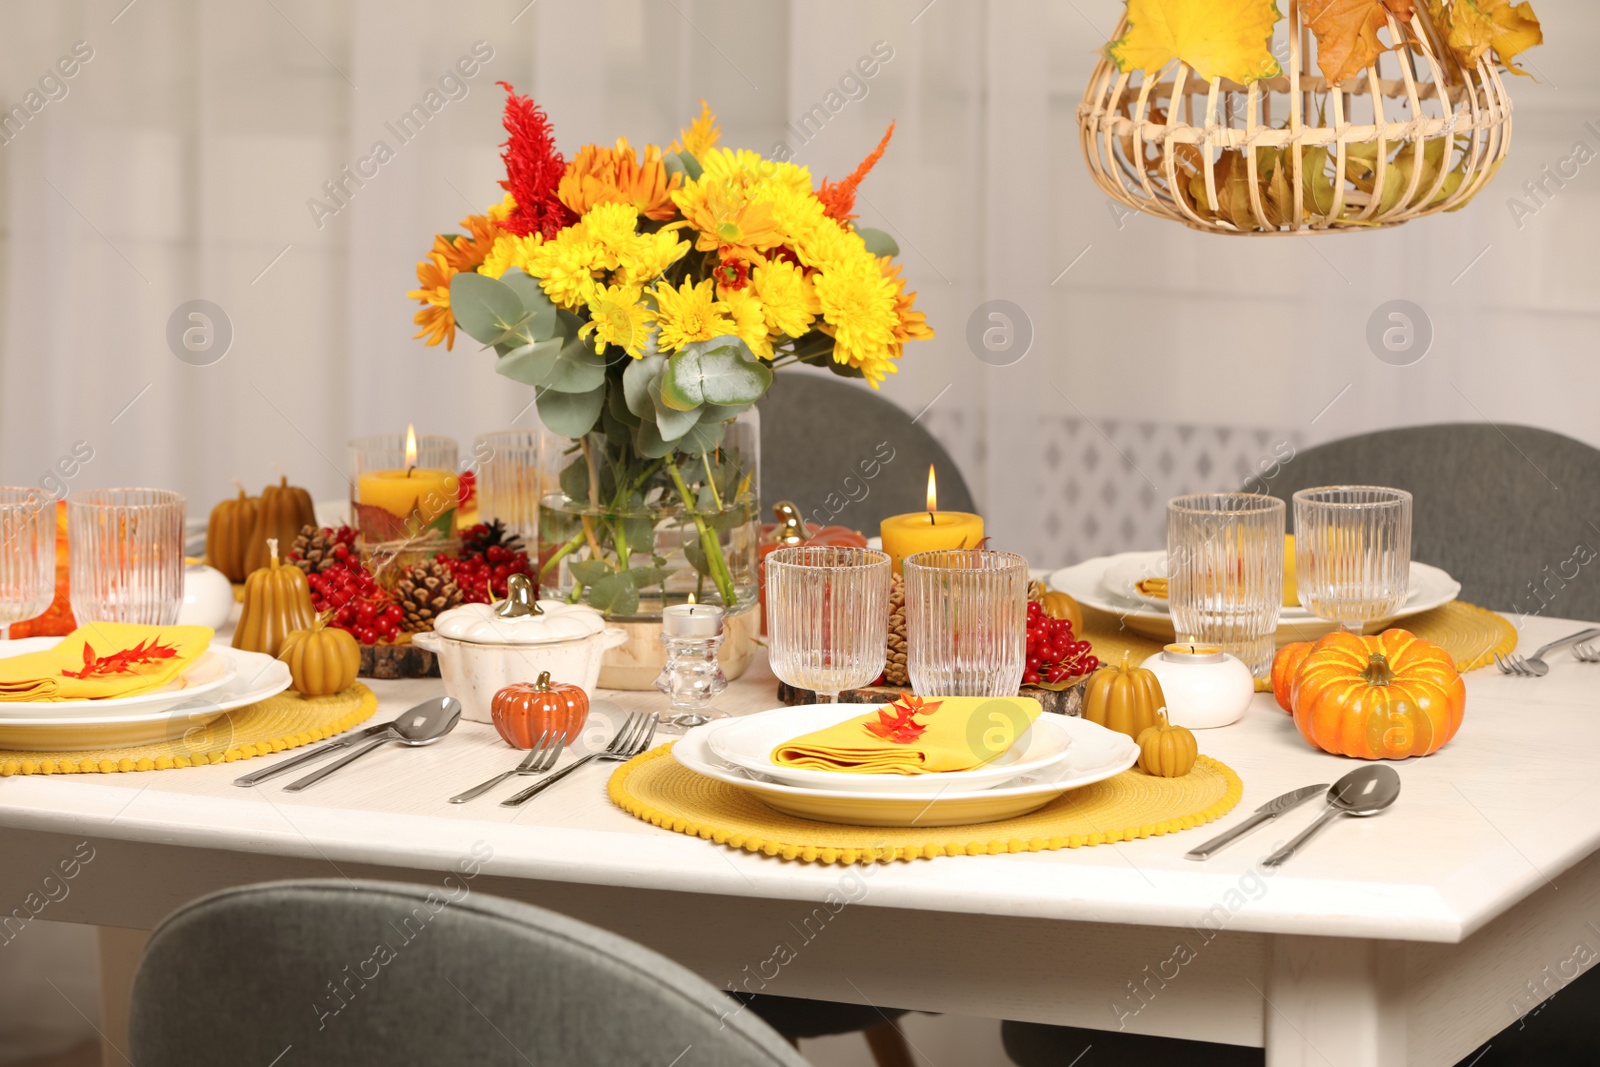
(1226, 117)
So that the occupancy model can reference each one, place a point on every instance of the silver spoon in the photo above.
(1362, 792)
(422, 725)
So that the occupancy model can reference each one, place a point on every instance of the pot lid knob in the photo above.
(519, 599)
(791, 527)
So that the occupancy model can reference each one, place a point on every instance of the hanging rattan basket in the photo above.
(1415, 133)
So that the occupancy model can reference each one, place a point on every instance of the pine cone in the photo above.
(423, 592)
(313, 550)
(894, 671)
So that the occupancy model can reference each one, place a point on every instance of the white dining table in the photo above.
(1407, 938)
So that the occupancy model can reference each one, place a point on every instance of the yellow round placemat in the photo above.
(1472, 635)
(285, 721)
(660, 790)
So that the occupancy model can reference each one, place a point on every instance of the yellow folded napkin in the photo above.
(915, 736)
(104, 660)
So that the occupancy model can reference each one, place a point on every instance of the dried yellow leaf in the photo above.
(1219, 38)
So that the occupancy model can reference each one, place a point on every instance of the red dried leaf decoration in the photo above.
(142, 654)
(533, 169)
(897, 722)
(839, 198)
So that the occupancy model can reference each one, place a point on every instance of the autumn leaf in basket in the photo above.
(123, 662)
(1219, 38)
(1472, 27)
(1347, 32)
(898, 723)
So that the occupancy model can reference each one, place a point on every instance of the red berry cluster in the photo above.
(488, 556)
(1054, 653)
(356, 602)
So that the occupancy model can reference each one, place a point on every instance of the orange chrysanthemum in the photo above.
(435, 317)
(839, 198)
(465, 251)
(910, 324)
(615, 176)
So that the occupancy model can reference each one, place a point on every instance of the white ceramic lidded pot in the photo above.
(1204, 686)
(483, 648)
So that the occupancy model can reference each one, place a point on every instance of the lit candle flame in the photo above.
(933, 494)
(411, 446)
(691, 598)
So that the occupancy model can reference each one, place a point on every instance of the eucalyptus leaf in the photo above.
(703, 438)
(530, 364)
(641, 535)
(617, 408)
(696, 557)
(670, 422)
(591, 571)
(615, 594)
(844, 370)
(571, 414)
(636, 378)
(542, 322)
(486, 308)
(644, 577)
(577, 368)
(878, 242)
(691, 166)
(722, 370)
(649, 443)
(723, 412)
(574, 479)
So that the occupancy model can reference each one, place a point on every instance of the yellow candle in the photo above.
(929, 531)
(420, 490)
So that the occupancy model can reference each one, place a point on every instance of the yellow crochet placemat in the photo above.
(1472, 635)
(660, 790)
(285, 721)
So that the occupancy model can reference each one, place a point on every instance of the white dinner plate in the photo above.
(1091, 583)
(212, 670)
(749, 741)
(255, 678)
(1096, 754)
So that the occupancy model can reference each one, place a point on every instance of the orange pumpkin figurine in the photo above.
(523, 711)
(1385, 697)
(1285, 665)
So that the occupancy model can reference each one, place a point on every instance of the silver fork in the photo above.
(632, 738)
(546, 750)
(1534, 666)
(1586, 653)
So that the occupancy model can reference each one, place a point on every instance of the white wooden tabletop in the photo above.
(1497, 814)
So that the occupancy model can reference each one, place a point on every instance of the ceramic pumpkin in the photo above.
(1166, 751)
(228, 535)
(1123, 698)
(57, 620)
(1284, 667)
(277, 601)
(284, 509)
(322, 660)
(523, 711)
(1385, 697)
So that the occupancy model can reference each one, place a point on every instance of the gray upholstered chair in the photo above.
(1512, 512)
(373, 973)
(846, 455)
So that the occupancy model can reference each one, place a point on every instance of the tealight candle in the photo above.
(929, 531)
(421, 491)
(691, 620)
(1204, 686)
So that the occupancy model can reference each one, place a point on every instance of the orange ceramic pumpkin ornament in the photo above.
(1385, 697)
(524, 710)
(1285, 665)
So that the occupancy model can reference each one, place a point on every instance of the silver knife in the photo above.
(327, 748)
(1265, 813)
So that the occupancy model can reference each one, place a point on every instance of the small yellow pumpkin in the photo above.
(228, 534)
(1123, 698)
(277, 601)
(322, 660)
(284, 510)
(1166, 751)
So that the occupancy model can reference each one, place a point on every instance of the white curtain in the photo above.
(177, 164)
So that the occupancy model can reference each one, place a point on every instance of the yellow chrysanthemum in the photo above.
(858, 306)
(567, 267)
(727, 220)
(510, 251)
(616, 176)
(787, 299)
(617, 317)
(649, 255)
(749, 319)
(826, 246)
(501, 211)
(613, 227)
(689, 313)
(751, 171)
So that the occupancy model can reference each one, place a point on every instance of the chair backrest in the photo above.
(1513, 512)
(846, 456)
(383, 974)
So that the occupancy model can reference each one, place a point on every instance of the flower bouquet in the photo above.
(648, 298)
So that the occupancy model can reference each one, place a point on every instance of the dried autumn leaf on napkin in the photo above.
(898, 723)
(120, 662)
(1347, 32)
(1219, 38)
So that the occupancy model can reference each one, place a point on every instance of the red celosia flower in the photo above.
(839, 199)
(533, 169)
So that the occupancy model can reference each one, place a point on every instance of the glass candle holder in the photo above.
(1225, 572)
(692, 677)
(966, 622)
(27, 555)
(403, 502)
(1352, 550)
(827, 617)
(510, 480)
(125, 559)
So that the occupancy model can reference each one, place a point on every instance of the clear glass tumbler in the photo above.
(1352, 548)
(508, 463)
(966, 622)
(126, 555)
(27, 555)
(1225, 572)
(827, 617)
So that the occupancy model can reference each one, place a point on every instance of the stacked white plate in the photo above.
(219, 681)
(1054, 755)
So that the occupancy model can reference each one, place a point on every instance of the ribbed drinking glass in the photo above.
(1352, 547)
(827, 617)
(27, 555)
(126, 555)
(1225, 572)
(966, 622)
(508, 463)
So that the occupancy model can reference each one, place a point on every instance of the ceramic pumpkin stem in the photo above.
(1378, 671)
